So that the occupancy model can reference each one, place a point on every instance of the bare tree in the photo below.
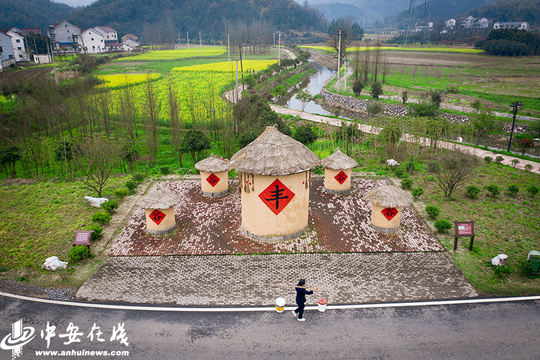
(175, 122)
(152, 106)
(97, 160)
(453, 171)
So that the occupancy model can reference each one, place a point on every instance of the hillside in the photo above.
(510, 10)
(31, 13)
(207, 16)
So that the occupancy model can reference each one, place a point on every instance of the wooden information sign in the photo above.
(464, 228)
(82, 238)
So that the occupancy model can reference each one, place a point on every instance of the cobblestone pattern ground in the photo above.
(255, 280)
(211, 226)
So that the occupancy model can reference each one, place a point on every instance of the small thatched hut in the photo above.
(158, 206)
(337, 172)
(274, 180)
(214, 175)
(387, 202)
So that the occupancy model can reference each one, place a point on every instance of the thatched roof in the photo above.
(159, 199)
(273, 154)
(339, 161)
(389, 196)
(213, 164)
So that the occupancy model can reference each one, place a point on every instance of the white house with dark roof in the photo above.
(7, 56)
(91, 41)
(19, 49)
(64, 35)
(511, 25)
(110, 36)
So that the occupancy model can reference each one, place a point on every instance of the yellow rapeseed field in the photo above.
(229, 66)
(163, 55)
(118, 81)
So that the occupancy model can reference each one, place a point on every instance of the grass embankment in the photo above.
(38, 221)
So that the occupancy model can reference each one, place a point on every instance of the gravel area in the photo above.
(21, 288)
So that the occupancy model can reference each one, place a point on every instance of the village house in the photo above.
(19, 48)
(111, 38)
(91, 41)
(467, 22)
(511, 25)
(129, 37)
(7, 56)
(482, 23)
(131, 45)
(451, 23)
(64, 35)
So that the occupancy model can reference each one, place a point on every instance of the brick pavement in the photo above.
(255, 280)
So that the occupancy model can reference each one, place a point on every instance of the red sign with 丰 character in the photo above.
(212, 179)
(341, 177)
(157, 216)
(276, 196)
(389, 213)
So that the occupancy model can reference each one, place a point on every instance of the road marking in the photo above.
(272, 308)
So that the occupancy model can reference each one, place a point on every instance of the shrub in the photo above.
(406, 184)
(305, 134)
(165, 170)
(376, 90)
(97, 231)
(109, 206)
(138, 178)
(473, 191)
(101, 218)
(433, 211)
(488, 159)
(503, 270)
(431, 178)
(528, 167)
(374, 108)
(416, 192)
(409, 166)
(527, 269)
(121, 192)
(398, 172)
(358, 87)
(493, 189)
(131, 185)
(515, 162)
(533, 190)
(77, 253)
(404, 97)
(436, 99)
(442, 225)
(513, 189)
(499, 159)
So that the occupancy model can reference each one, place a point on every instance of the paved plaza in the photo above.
(255, 280)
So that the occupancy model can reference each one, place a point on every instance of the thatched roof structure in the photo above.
(389, 196)
(213, 164)
(274, 154)
(339, 161)
(159, 199)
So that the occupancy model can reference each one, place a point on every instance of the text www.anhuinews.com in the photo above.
(81, 353)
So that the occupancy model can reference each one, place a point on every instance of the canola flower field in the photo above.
(118, 81)
(165, 55)
(399, 48)
(228, 66)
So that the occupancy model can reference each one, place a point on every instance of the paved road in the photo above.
(469, 331)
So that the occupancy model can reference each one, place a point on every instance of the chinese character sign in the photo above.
(389, 213)
(157, 216)
(276, 196)
(212, 179)
(341, 177)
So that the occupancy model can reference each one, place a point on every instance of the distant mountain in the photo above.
(31, 13)
(335, 11)
(511, 10)
(207, 16)
(446, 9)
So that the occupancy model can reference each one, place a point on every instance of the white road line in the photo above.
(271, 308)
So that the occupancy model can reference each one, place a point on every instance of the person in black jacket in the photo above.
(301, 292)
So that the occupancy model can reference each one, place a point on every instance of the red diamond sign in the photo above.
(341, 177)
(157, 216)
(389, 213)
(212, 179)
(276, 196)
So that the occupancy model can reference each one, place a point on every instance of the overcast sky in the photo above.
(75, 2)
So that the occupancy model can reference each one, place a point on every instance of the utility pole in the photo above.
(200, 42)
(179, 40)
(228, 49)
(514, 106)
(241, 65)
(338, 61)
(279, 61)
(187, 39)
(52, 37)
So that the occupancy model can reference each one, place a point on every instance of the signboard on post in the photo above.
(464, 228)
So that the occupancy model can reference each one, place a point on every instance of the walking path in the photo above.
(408, 137)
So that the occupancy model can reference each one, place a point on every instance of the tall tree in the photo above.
(175, 122)
(151, 108)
